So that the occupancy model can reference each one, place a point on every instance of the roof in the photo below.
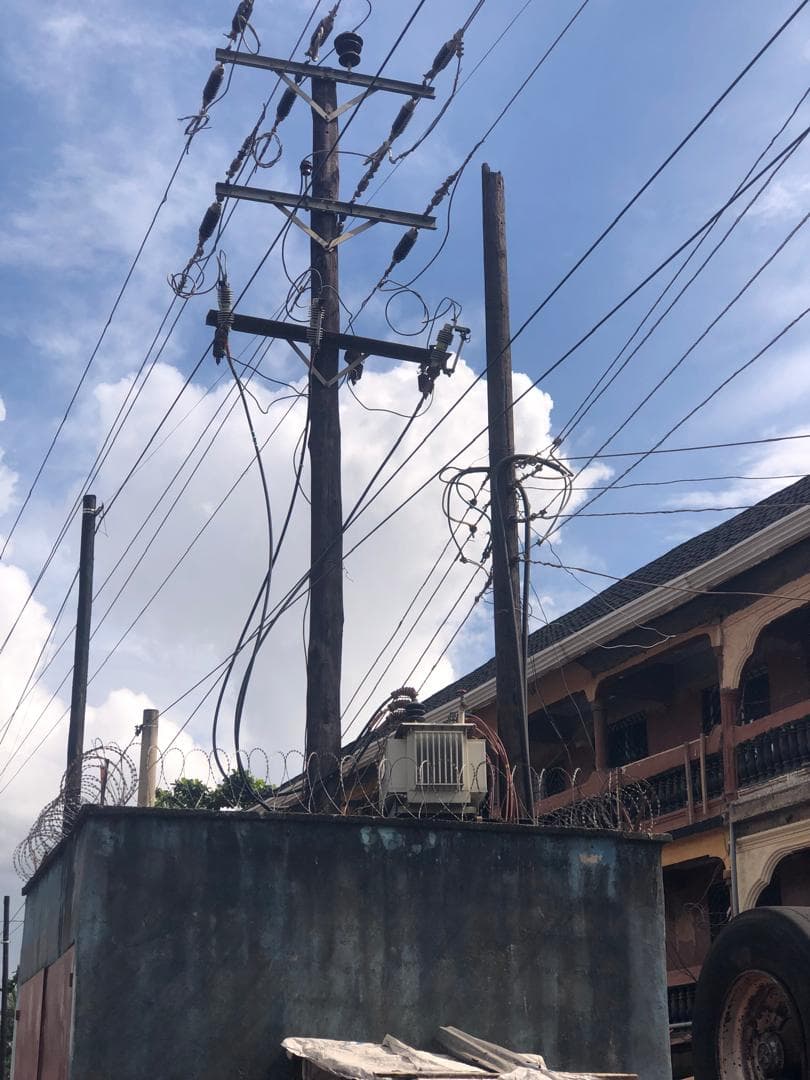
(679, 560)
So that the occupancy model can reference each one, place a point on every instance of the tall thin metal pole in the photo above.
(510, 678)
(147, 774)
(325, 647)
(4, 996)
(81, 657)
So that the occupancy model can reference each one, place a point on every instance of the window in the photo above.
(756, 695)
(627, 740)
(710, 707)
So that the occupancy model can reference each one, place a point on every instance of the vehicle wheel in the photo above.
(752, 1007)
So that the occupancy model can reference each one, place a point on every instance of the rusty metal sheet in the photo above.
(28, 1028)
(57, 1011)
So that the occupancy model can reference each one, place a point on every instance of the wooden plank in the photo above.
(352, 78)
(287, 331)
(325, 205)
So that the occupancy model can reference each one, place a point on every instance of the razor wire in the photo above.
(104, 776)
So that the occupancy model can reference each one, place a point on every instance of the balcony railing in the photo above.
(773, 753)
(681, 1001)
(672, 787)
(688, 781)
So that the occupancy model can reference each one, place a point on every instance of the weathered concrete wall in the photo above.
(202, 940)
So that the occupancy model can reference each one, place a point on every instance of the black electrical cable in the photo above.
(678, 480)
(93, 354)
(137, 535)
(678, 510)
(594, 328)
(361, 709)
(601, 386)
(765, 440)
(454, 179)
(264, 592)
(657, 172)
(788, 21)
(702, 336)
(145, 607)
(701, 404)
(685, 589)
(107, 446)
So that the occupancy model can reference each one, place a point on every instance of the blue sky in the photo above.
(91, 137)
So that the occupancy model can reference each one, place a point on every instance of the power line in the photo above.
(631, 579)
(765, 440)
(679, 510)
(701, 404)
(657, 172)
(450, 184)
(601, 386)
(273, 244)
(107, 445)
(704, 333)
(680, 480)
(134, 621)
(93, 354)
(137, 534)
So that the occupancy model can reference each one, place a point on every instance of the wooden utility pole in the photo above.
(81, 657)
(510, 678)
(325, 647)
(4, 995)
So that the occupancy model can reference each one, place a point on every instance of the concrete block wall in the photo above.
(201, 940)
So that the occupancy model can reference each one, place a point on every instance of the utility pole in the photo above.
(329, 226)
(147, 773)
(81, 659)
(4, 996)
(325, 646)
(510, 677)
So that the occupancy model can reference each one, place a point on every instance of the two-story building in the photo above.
(693, 675)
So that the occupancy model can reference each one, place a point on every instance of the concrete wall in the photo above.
(204, 939)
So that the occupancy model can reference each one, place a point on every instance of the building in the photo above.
(691, 675)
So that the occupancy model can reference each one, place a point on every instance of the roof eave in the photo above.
(764, 544)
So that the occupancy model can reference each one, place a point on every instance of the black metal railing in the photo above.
(774, 753)
(681, 1001)
(670, 786)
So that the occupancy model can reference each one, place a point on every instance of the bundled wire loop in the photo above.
(193, 271)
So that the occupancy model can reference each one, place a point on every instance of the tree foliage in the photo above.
(232, 793)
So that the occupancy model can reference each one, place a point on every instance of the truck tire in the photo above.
(751, 1017)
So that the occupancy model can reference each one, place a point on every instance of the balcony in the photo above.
(783, 747)
(687, 781)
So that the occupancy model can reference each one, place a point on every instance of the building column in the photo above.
(599, 735)
(729, 710)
